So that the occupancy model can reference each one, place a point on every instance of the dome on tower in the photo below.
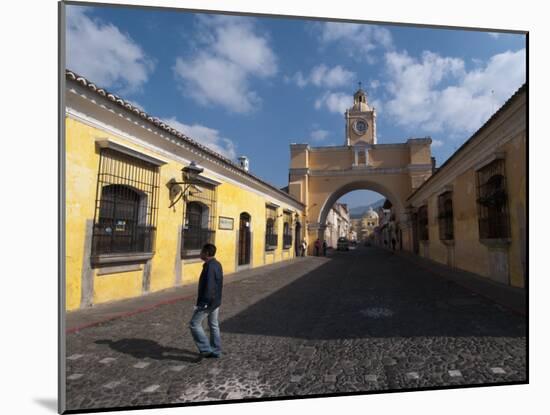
(371, 213)
(360, 100)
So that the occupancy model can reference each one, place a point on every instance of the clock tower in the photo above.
(360, 121)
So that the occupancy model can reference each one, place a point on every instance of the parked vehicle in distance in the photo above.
(343, 244)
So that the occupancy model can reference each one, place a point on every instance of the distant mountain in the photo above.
(358, 211)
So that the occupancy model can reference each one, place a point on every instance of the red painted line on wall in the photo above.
(127, 313)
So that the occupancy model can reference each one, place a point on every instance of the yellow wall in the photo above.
(82, 162)
(388, 157)
(298, 157)
(330, 160)
(108, 287)
(80, 186)
(420, 153)
(516, 184)
(469, 253)
(437, 250)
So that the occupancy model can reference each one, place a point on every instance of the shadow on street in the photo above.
(369, 292)
(143, 348)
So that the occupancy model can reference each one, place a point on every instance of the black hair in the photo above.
(209, 249)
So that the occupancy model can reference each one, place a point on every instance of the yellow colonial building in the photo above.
(142, 198)
(471, 214)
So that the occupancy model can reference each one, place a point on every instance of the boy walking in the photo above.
(209, 299)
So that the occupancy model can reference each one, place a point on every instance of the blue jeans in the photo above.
(202, 342)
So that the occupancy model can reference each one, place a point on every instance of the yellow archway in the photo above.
(319, 176)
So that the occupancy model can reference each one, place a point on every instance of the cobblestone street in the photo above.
(361, 320)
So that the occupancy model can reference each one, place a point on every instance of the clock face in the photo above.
(360, 127)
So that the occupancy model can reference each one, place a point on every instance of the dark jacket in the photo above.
(210, 285)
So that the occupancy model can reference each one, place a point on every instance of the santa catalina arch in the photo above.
(319, 176)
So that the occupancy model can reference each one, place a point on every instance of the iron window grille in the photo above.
(445, 216)
(492, 201)
(126, 205)
(287, 234)
(199, 219)
(423, 232)
(271, 236)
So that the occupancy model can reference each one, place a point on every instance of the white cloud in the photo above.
(232, 53)
(206, 136)
(374, 84)
(494, 35)
(323, 76)
(377, 104)
(360, 40)
(435, 93)
(337, 102)
(319, 135)
(103, 54)
(298, 78)
(437, 143)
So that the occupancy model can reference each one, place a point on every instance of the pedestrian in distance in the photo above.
(324, 248)
(317, 246)
(393, 242)
(303, 247)
(209, 299)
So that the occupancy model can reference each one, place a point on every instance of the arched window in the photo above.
(445, 216)
(120, 222)
(287, 232)
(492, 201)
(196, 230)
(126, 206)
(271, 228)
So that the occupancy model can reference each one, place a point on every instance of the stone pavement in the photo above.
(510, 297)
(363, 320)
(100, 313)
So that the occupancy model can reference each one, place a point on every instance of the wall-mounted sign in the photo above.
(225, 223)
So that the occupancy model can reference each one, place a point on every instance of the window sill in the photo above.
(105, 259)
(191, 259)
(496, 242)
(270, 249)
(191, 254)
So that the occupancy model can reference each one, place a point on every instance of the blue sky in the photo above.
(253, 85)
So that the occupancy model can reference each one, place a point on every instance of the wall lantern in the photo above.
(189, 175)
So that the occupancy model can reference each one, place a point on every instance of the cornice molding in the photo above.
(358, 171)
(299, 172)
(329, 148)
(242, 181)
(107, 143)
